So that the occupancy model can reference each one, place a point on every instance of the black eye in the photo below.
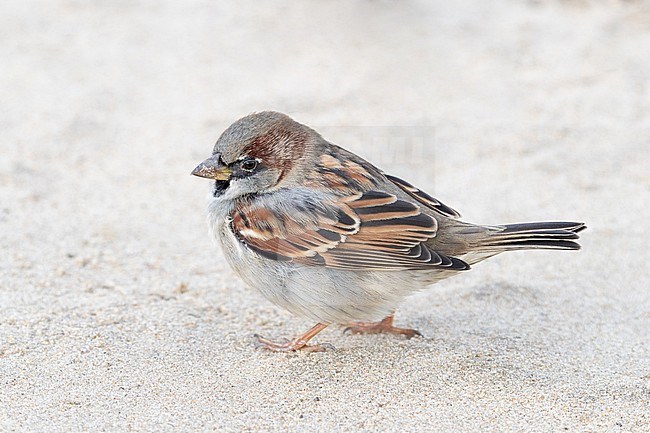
(249, 165)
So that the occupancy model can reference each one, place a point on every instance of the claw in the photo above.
(385, 326)
(298, 343)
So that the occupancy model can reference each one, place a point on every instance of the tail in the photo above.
(524, 236)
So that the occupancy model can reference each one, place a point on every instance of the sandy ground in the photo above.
(118, 314)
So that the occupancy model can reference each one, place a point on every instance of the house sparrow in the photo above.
(330, 237)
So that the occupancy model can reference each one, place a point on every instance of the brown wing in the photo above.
(423, 197)
(371, 230)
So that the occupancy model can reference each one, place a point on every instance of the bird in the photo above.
(330, 237)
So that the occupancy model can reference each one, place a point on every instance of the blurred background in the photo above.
(505, 110)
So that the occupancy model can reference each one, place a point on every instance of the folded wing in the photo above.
(370, 230)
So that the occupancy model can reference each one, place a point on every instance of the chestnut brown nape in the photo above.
(280, 145)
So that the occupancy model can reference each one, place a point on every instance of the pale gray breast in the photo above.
(265, 275)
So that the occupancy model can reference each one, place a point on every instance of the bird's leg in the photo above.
(298, 343)
(385, 326)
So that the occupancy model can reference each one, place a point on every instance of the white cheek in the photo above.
(234, 190)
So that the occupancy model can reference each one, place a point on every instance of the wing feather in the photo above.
(423, 197)
(370, 230)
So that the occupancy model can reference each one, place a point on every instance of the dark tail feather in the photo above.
(541, 235)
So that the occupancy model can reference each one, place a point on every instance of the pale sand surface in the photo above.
(118, 314)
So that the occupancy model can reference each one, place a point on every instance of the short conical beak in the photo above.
(212, 168)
